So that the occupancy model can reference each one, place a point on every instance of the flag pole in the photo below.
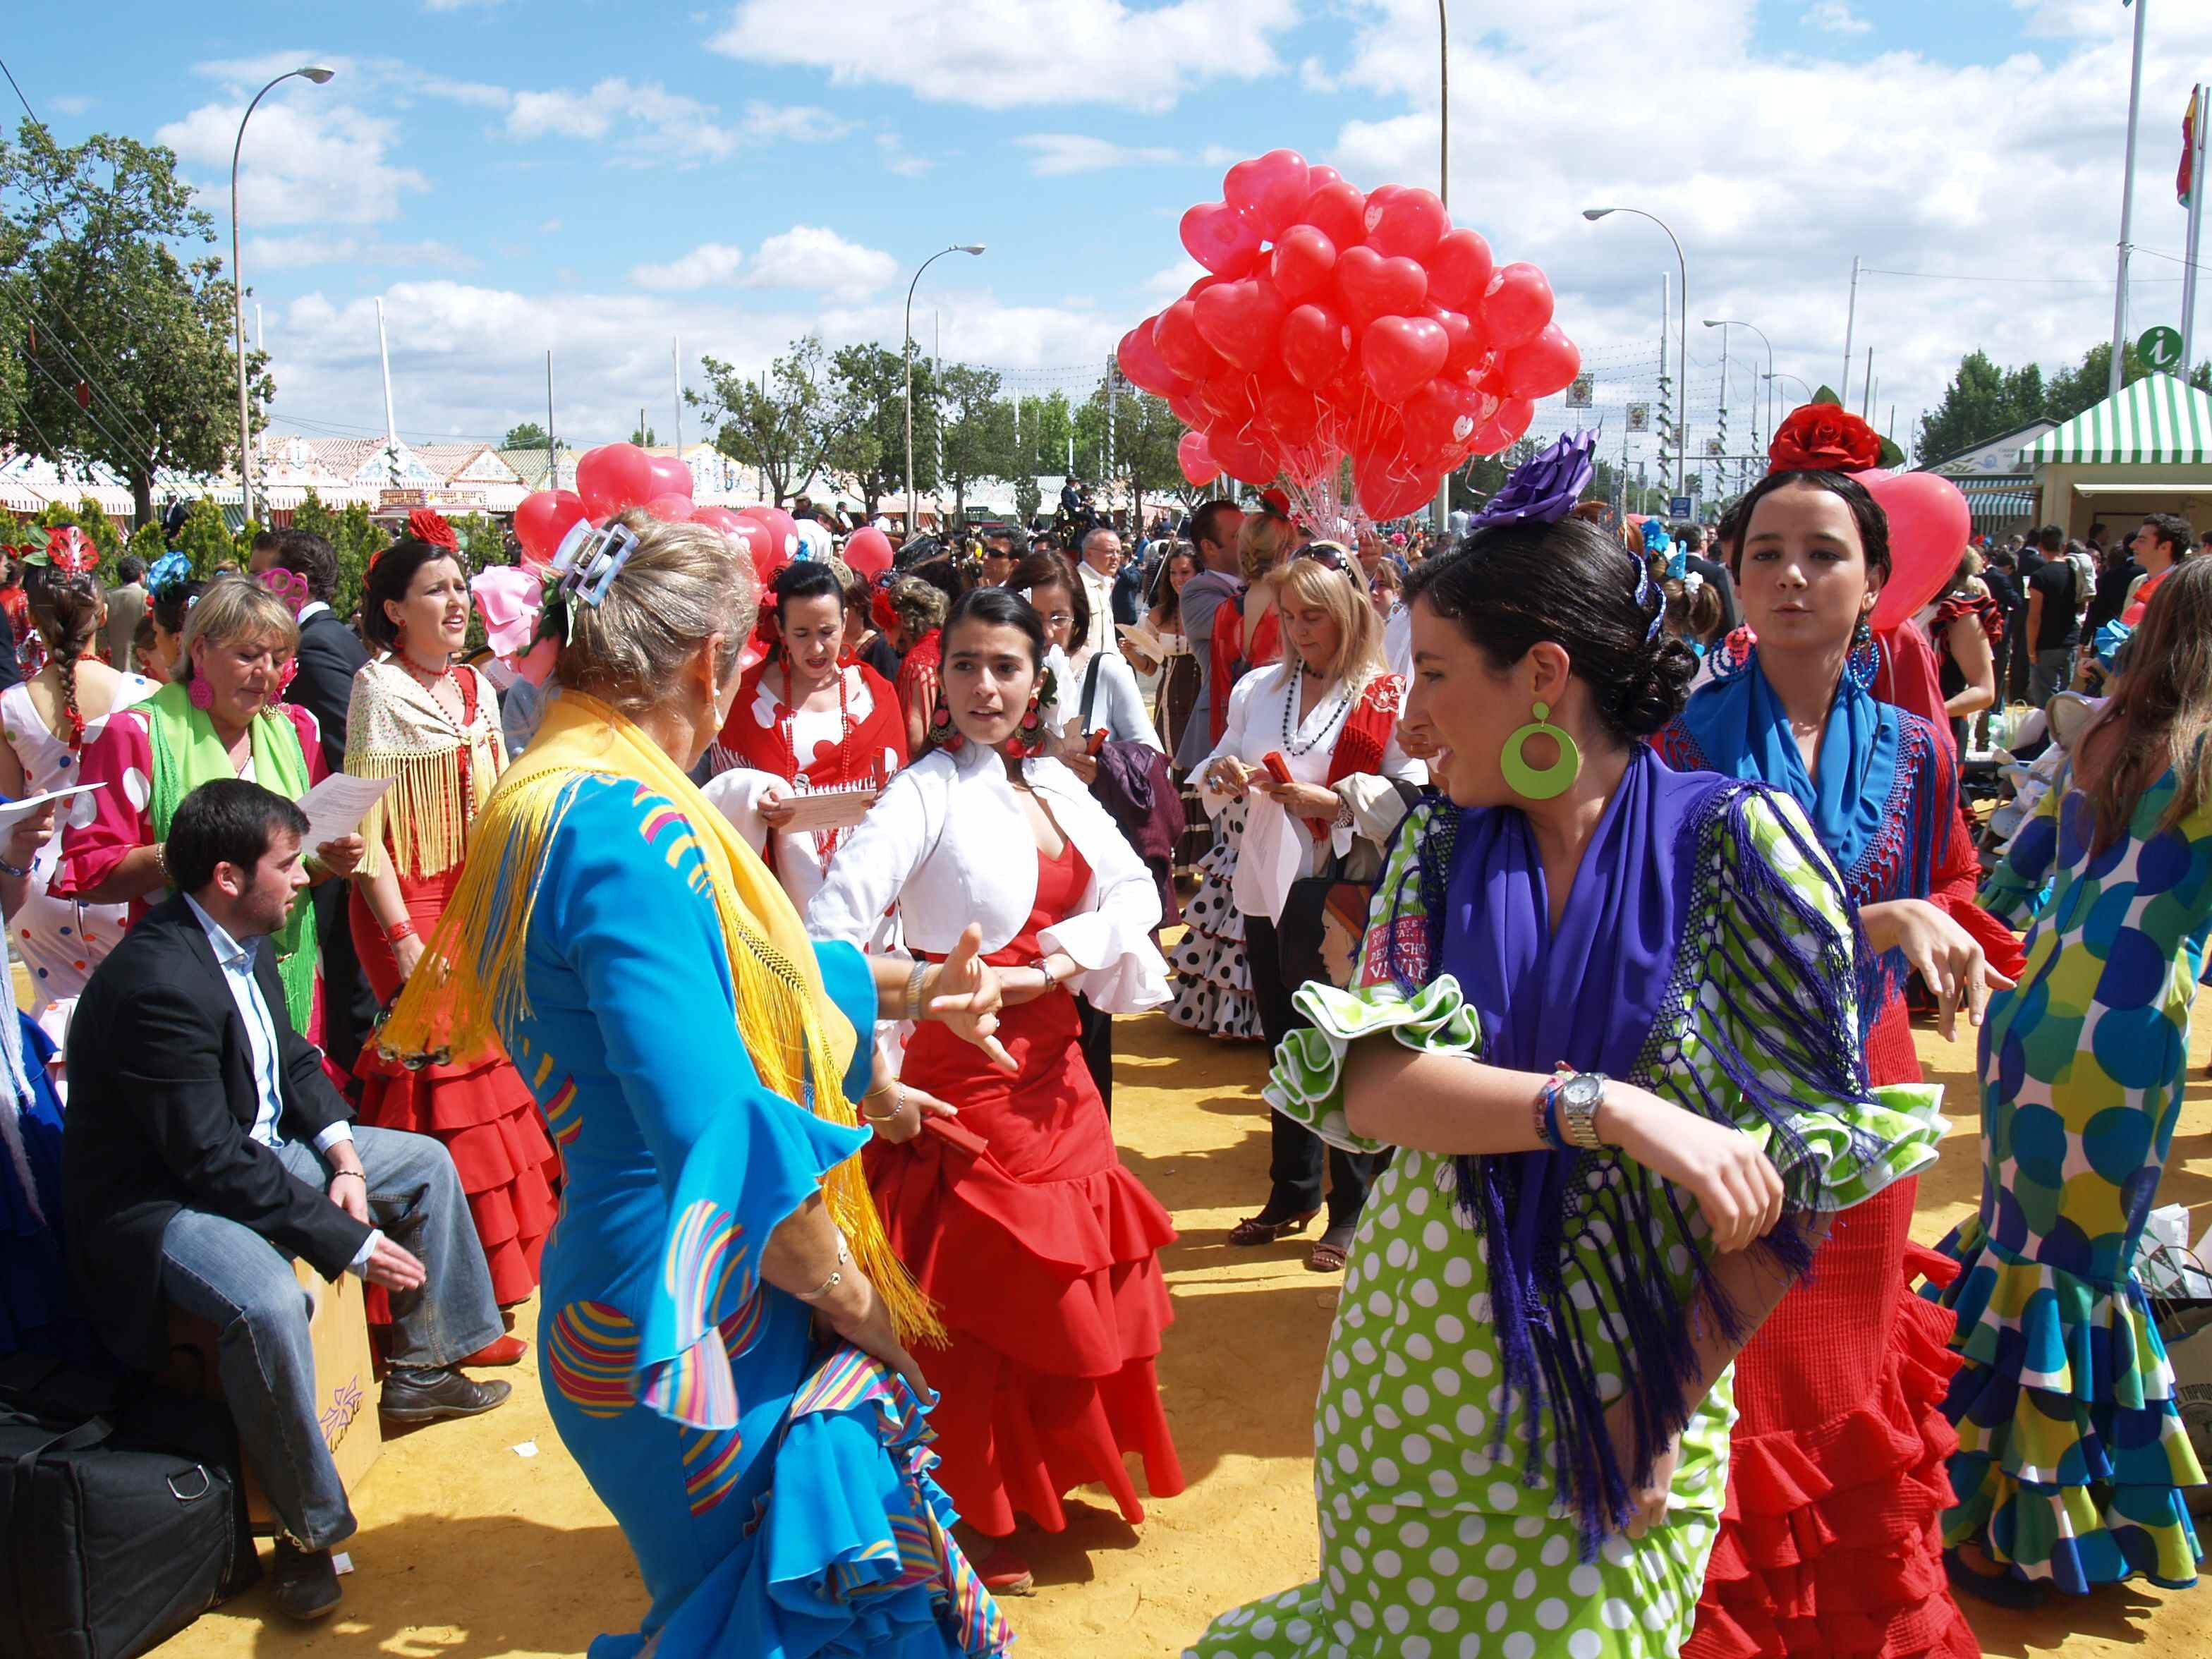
(2194, 158)
(2127, 212)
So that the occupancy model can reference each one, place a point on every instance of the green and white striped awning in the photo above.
(2158, 418)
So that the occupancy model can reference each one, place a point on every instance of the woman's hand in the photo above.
(775, 809)
(342, 856)
(966, 993)
(858, 1315)
(1940, 952)
(1737, 1188)
(1300, 800)
(28, 835)
(407, 952)
(1084, 764)
(1225, 777)
(1647, 1499)
(907, 1106)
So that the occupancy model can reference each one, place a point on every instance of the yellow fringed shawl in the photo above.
(472, 979)
(395, 729)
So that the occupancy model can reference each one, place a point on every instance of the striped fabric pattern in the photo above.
(589, 1353)
(706, 1252)
(2157, 418)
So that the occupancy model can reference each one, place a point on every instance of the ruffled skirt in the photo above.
(1212, 976)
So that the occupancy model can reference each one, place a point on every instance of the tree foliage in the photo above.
(1984, 400)
(126, 346)
(979, 429)
(526, 435)
(868, 386)
(783, 429)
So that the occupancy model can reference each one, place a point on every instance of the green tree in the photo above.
(2073, 390)
(146, 543)
(979, 429)
(528, 435)
(126, 344)
(1027, 497)
(1982, 401)
(204, 539)
(868, 385)
(1046, 423)
(643, 438)
(782, 429)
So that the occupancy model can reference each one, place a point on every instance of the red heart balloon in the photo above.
(1187, 408)
(1516, 305)
(1460, 269)
(670, 475)
(1928, 524)
(1226, 396)
(1181, 348)
(1219, 239)
(719, 518)
(1441, 420)
(614, 477)
(671, 509)
(1544, 365)
(1318, 176)
(1268, 189)
(1292, 413)
(1371, 286)
(1140, 360)
(1195, 456)
(1242, 457)
(1408, 223)
(1466, 345)
(1303, 261)
(1505, 427)
(1339, 212)
(1401, 352)
(542, 518)
(867, 552)
(780, 528)
(1240, 321)
(1314, 344)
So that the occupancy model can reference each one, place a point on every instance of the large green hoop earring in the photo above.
(1524, 780)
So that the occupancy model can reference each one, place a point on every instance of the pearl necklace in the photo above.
(1290, 721)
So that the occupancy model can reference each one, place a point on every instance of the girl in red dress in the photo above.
(431, 725)
(1017, 1215)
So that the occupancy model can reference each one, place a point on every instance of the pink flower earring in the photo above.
(200, 694)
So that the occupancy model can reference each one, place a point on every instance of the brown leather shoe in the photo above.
(305, 1581)
(426, 1396)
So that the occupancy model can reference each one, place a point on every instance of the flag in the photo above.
(2183, 183)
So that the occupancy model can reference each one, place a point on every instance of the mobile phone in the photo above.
(1277, 767)
(1094, 742)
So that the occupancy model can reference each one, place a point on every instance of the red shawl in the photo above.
(1365, 735)
(858, 760)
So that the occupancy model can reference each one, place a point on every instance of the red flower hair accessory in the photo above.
(430, 527)
(71, 550)
(1824, 438)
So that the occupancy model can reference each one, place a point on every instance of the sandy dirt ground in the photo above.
(467, 1548)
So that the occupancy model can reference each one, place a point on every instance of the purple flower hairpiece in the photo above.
(1543, 487)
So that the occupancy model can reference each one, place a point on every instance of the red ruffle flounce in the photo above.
(1829, 1545)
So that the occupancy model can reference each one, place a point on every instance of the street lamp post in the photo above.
(318, 75)
(1682, 360)
(908, 336)
(1726, 323)
(1443, 193)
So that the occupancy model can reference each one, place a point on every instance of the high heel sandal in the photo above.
(1254, 1231)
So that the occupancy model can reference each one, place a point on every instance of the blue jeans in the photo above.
(239, 1282)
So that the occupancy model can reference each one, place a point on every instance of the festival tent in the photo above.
(2146, 449)
(1999, 485)
(28, 484)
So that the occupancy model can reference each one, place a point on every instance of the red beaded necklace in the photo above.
(786, 724)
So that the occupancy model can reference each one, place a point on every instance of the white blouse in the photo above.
(949, 843)
(1277, 849)
(1119, 707)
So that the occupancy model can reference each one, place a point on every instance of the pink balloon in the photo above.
(1181, 346)
(614, 477)
(1467, 344)
(1316, 341)
(1219, 239)
(670, 475)
(671, 509)
(542, 519)
(782, 529)
(1372, 286)
(1400, 354)
(1460, 269)
(1241, 321)
(867, 552)
(1242, 457)
(1544, 365)
(1195, 456)
(1318, 176)
(1516, 305)
(1269, 191)
(1302, 262)
(1928, 526)
(719, 518)
(1406, 224)
(1505, 427)
(1339, 211)
(1140, 360)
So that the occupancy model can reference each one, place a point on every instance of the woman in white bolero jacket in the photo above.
(1016, 1215)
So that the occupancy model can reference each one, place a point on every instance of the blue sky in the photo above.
(599, 178)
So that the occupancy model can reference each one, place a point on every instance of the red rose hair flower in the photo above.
(1824, 438)
(427, 525)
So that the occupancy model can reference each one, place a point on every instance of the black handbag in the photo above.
(121, 1530)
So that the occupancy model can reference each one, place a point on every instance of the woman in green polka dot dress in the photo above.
(1521, 1435)
(2071, 1456)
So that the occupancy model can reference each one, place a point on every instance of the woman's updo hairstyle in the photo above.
(918, 604)
(681, 583)
(1513, 587)
(806, 578)
(999, 607)
(1866, 512)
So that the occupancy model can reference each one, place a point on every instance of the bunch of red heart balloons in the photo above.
(615, 478)
(1335, 324)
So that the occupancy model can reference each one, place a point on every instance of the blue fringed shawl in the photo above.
(1605, 991)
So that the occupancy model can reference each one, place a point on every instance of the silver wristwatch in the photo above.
(1579, 1098)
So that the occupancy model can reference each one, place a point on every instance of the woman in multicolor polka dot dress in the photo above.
(1522, 1429)
(2071, 1455)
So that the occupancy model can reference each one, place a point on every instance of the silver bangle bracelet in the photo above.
(913, 991)
(836, 1276)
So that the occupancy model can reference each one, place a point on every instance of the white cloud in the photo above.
(1834, 17)
(1053, 154)
(456, 5)
(898, 160)
(804, 123)
(70, 103)
(709, 264)
(1171, 284)
(820, 261)
(305, 162)
(649, 123)
(1006, 54)
(277, 253)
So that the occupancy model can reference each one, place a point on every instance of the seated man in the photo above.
(203, 1148)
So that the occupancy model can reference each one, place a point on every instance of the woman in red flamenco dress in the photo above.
(1017, 1215)
(431, 725)
(1829, 1545)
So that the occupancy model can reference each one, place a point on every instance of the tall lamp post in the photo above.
(1683, 360)
(1725, 323)
(1771, 378)
(318, 75)
(957, 247)
(1443, 192)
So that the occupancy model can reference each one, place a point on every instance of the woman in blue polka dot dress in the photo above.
(2071, 1456)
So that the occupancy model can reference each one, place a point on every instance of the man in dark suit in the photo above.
(330, 654)
(203, 1149)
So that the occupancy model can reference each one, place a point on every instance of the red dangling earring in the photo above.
(200, 694)
(1028, 736)
(942, 733)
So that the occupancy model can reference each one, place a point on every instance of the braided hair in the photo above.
(68, 608)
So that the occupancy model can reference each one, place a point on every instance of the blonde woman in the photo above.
(1311, 752)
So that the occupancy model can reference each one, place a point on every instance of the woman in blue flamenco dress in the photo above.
(695, 1057)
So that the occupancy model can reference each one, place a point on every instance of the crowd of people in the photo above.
(773, 941)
